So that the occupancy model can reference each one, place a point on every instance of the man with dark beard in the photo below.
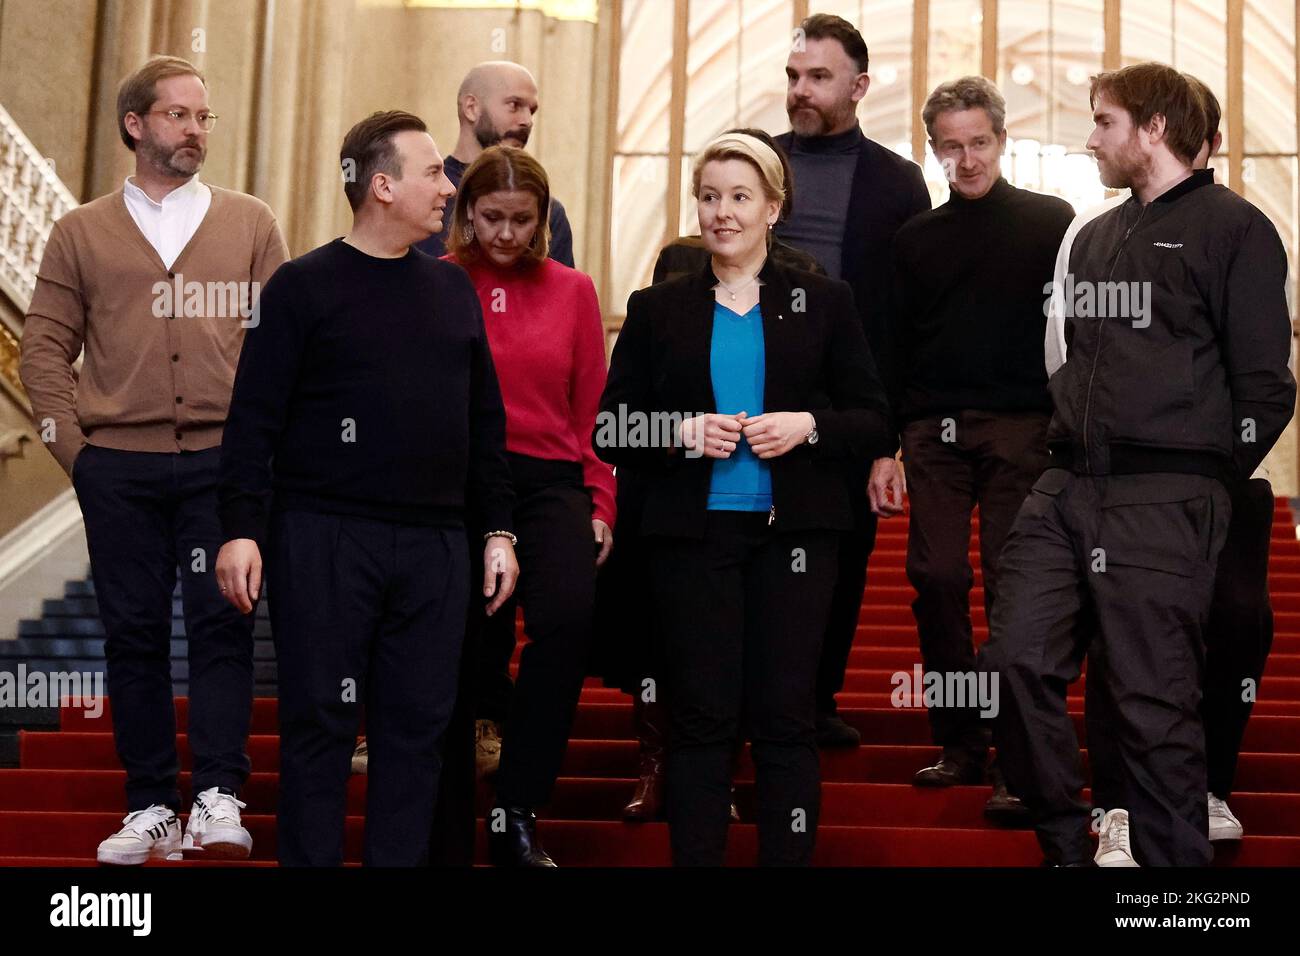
(140, 432)
(495, 105)
(854, 194)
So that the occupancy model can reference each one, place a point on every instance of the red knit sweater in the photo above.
(548, 346)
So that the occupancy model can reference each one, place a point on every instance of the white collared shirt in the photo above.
(171, 224)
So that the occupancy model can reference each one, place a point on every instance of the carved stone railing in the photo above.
(32, 197)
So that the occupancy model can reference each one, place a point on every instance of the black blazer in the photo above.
(888, 189)
(816, 359)
(687, 254)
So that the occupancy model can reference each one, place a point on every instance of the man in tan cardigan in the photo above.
(157, 282)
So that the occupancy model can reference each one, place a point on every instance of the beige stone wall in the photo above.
(45, 78)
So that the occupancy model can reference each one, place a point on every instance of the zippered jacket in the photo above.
(1179, 336)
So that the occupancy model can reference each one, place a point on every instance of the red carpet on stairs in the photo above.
(66, 794)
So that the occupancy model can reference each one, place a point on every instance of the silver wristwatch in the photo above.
(811, 437)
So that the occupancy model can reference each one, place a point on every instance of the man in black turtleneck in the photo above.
(971, 396)
(854, 194)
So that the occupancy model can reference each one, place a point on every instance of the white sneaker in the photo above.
(1113, 846)
(152, 834)
(1223, 825)
(214, 829)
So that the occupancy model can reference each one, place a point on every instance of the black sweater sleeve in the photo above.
(264, 383)
(857, 424)
(489, 496)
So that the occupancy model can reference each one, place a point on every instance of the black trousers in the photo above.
(846, 600)
(1238, 637)
(364, 613)
(557, 590)
(1120, 568)
(490, 671)
(147, 514)
(992, 460)
(742, 612)
(451, 841)
(1240, 632)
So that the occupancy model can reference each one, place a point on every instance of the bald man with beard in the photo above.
(495, 105)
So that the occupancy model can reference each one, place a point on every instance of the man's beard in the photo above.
(487, 135)
(173, 161)
(810, 121)
(1127, 167)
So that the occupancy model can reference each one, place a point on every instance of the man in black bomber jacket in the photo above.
(1176, 383)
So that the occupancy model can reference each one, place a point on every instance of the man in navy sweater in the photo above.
(366, 431)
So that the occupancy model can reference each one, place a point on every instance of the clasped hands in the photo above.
(769, 435)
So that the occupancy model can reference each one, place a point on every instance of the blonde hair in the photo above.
(749, 149)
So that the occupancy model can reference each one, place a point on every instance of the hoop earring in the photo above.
(469, 233)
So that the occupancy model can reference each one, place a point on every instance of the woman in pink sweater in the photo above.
(543, 324)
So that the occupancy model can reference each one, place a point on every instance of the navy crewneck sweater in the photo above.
(366, 389)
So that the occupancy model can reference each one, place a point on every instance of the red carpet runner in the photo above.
(67, 794)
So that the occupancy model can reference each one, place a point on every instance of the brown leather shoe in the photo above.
(647, 802)
(948, 772)
(1003, 806)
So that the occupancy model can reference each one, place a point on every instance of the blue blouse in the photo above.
(742, 482)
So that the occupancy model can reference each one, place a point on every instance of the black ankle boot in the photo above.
(518, 844)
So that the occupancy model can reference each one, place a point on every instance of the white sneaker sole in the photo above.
(228, 844)
(1116, 859)
(1225, 832)
(162, 850)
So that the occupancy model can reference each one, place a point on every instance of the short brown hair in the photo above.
(369, 147)
(827, 26)
(1149, 89)
(139, 91)
(497, 169)
(1210, 103)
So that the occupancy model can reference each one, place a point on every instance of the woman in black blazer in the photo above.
(766, 373)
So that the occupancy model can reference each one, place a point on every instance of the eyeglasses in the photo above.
(204, 120)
